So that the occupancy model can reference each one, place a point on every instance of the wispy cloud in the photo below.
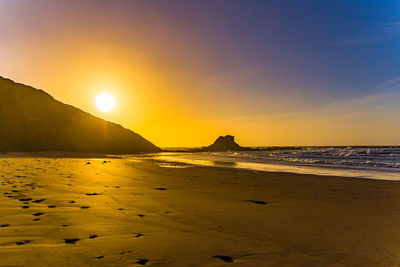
(376, 34)
(359, 41)
(389, 86)
(391, 27)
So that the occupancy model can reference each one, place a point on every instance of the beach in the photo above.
(110, 211)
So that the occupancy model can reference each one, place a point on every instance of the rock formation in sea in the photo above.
(224, 143)
(32, 120)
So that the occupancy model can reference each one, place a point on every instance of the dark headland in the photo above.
(32, 120)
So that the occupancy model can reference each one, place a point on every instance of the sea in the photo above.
(371, 162)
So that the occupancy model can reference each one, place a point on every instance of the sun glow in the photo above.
(105, 102)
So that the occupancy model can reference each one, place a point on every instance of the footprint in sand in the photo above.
(141, 215)
(100, 257)
(4, 225)
(71, 240)
(92, 194)
(139, 235)
(129, 251)
(72, 201)
(38, 214)
(25, 199)
(39, 200)
(19, 243)
(224, 258)
(35, 220)
(142, 261)
(51, 206)
(84, 207)
(160, 188)
(257, 202)
(25, 207)
(93, 236)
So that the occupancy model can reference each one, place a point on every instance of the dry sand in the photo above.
(120, 212)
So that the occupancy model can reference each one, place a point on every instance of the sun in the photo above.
(105, 102)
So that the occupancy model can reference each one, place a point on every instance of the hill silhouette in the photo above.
(224, 143)
(32, 120)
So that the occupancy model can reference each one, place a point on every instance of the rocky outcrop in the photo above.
(224, 143)
(32, 120)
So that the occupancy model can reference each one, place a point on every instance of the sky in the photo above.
(272, 73)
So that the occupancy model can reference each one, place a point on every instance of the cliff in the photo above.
(32, 120)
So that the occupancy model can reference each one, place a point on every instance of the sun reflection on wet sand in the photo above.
(201, 160)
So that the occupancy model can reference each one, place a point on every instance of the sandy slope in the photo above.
(203, 212)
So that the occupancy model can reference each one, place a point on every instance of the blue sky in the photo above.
(351, 43)
(320, 51)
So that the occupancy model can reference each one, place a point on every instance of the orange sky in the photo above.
(176, 86)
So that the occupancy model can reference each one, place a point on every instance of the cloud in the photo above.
(359, 41)
(388, 86)
(378, 33)
(391, 27)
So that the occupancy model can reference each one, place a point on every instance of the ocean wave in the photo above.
(376, 157)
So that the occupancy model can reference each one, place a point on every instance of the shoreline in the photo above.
(327, 171)
(287, 167)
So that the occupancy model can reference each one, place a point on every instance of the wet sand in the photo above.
(120, 212)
